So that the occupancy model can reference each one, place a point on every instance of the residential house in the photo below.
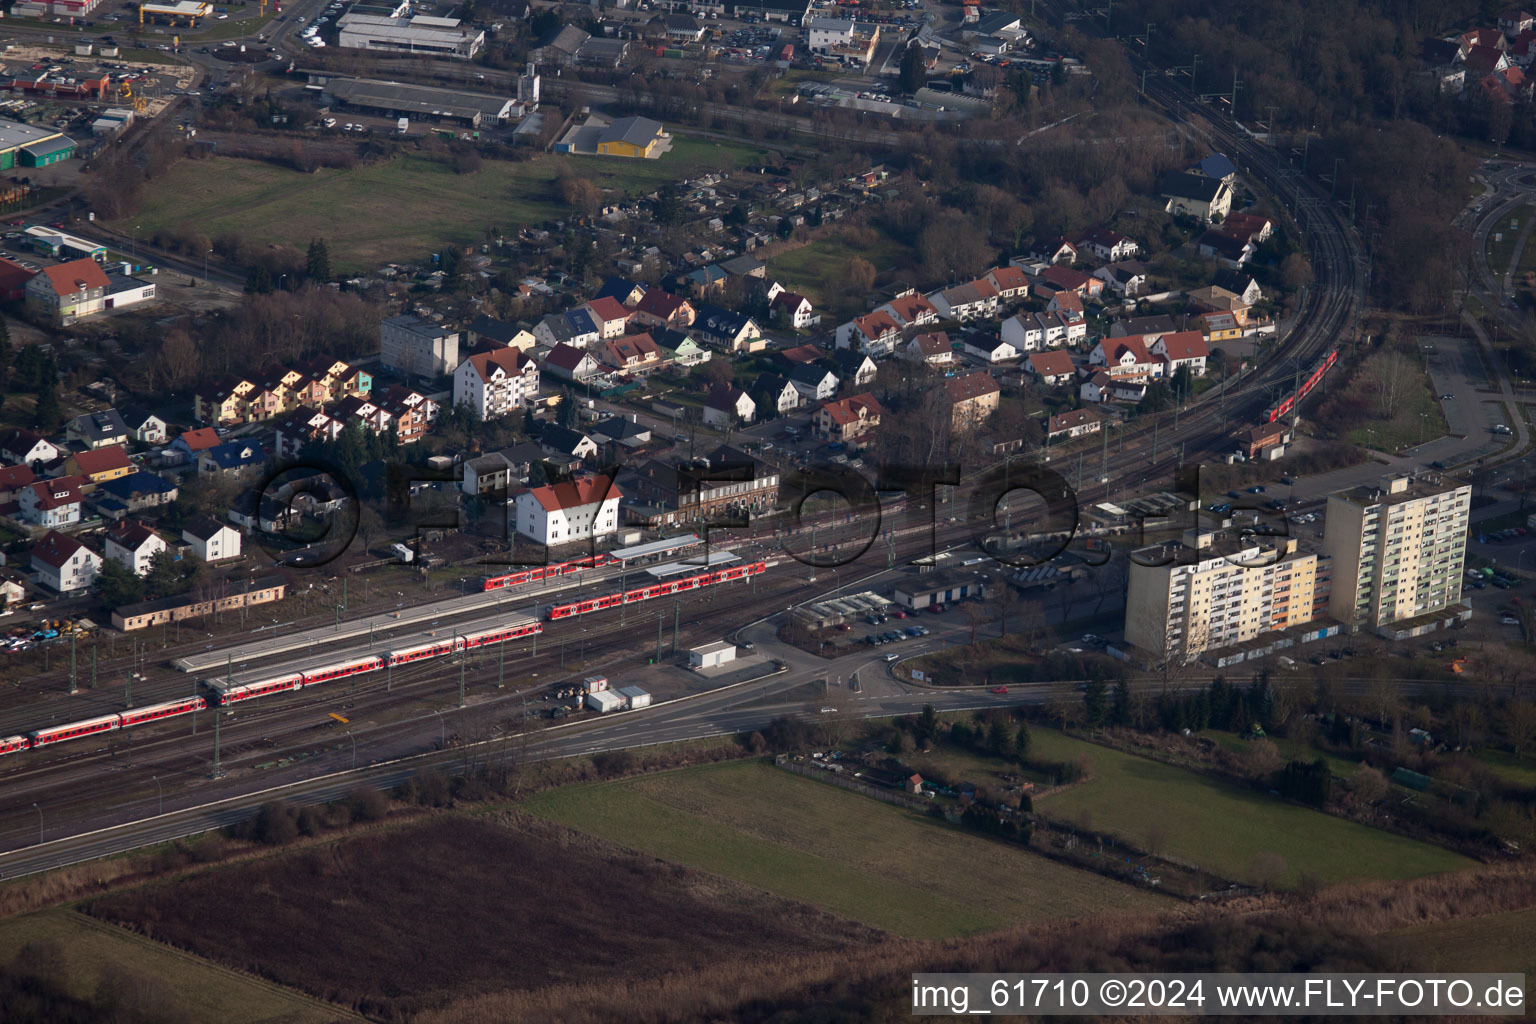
(488, 332)
(1230, 252)
(772, 391)
(412, 413)
(1052, 368)
(1125, 357)
(1057, 250)
(1068, 303)
(991, 349)
(366, 411)
(1055, 279)
(848, 419)
(261, 512)
(24, 448)
(657, 308)
(854, 367)
(1215, 299)
(658, 493)
(136, 492)
(485, 476)
(232, 458)
(816, 383)
(1009, 282)
(798, 308)
(568, 442)
(1106, 245)
(680, 347)
(1480, 61)
(52, 503)
(1101, 387)
(1515, 21)
(1193, 195)
(568, 363)
(63, 564)
(1250, 227)
(65, 292)
(99, 465)
(624, 433)
(98, 429)
(1073, 423)
(12, 480)
(192, 442)
(301, 427)
(972, 399)
(586, 508)
(1182, 348)
(144, 425)
(633, 353)
(1127, 279)
(732, 331)
(727, 405)
(874, 334)
(1241, 284)
(933, 348)
(11, 592)
(1219, 327)
(611, 317)
(974, 300)
(575, 328)
(626, 293)
(1148, 328)
(705, 281)
(1217, 167)
(745, 266)
(492, 384)
(799, 355)
(224, 402)
(133, 545)
(211, 540)
(910, 310)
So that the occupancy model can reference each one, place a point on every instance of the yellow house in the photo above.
(633, 137)
(1220, 327)
(225, 402)
(100, 465)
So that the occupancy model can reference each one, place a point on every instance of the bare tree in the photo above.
(1269, 869)
(974, 613)
(1368, 784)
(1519, 724)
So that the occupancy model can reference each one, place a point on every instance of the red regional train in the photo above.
(547, 572)
(663, 589)
(1314, 376)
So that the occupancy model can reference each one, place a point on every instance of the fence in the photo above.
(908, 801)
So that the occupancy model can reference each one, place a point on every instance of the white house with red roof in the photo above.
(1009, 281)
(799, 309)
(24, 448)
(1182, 348)
(848, 419)
(609, 314)
(874, 334)
(134, 545)
(63, 563)
(585, 508)
(910, 310)
(570, 363)
(1109, 246)
(495, 383)
(973, 300)
(51, 503)
(1125, 357)
(66, 292)
(657, 308)
(1053, 368)
(933, 348)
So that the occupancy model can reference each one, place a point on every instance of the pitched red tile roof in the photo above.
(130, 533)
(1115, 347)
(574, 493)
(510, 361)
(76, 276)
(911, 307)
(934, 343)
(1184, 345)
(58, 492)
(659, 303)
(1073, 418)
(874, 325)
(56, 549)
(971, 386)
(103, 460)
(1051, 364)
(608, 309)
(1009, 278)
(200, 439)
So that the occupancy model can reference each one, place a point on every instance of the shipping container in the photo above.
(634, 697)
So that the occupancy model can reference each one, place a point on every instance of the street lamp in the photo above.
(39, 811)
(205, 265)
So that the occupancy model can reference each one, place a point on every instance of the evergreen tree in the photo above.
(927, 725)
(116, 585)
(1093, 703)
(48, 413)
(318, 262)
(1021, 742)
(1120, 712)
(998, 738)
(258, 281)
(6, 352)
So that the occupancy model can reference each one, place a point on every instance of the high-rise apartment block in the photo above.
(1398, 551)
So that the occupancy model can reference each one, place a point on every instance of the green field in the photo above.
(1502, 943)
(93, 950)
(358, 211)
(846, 853)
(815, 270)
(1501, 250)
(1223, 827)
(1519, 770)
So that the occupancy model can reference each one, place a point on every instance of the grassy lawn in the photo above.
(203, 991)
(848, 854)
(1419, 418)
(815, 270)
(231, 28)
(357, 211)
(1501, 250)
(1224, 827)
(1504, 943)
(1289, 749)
(1519, 770)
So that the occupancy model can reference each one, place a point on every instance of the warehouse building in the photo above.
(435, 37)
(937, 588)
(397, 99)
(25, 145)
